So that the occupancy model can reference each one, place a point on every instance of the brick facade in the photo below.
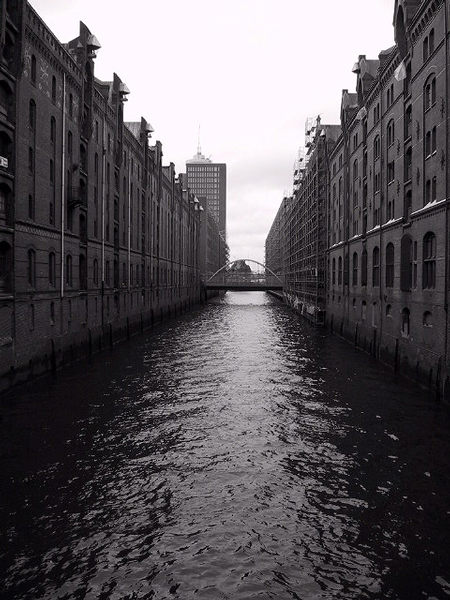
(97, 237)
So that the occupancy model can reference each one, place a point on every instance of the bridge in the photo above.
(237, 276)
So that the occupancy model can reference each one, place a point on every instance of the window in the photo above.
(427, 319)
(31, 268)
(364, 267)
(355, 269)
(425, 49)
(53, 130)
(430, 92)
(52, 313)
(376, 147)
(340, 270)
(433, 140)
(428, 144)
(69, 143)
(69, 274)
(53, 89)
(408, 164)
(390, 265)
(431, 190)
(30, 160)
(391, 171)
(408, 122)
(389, 310)
(376, 183)
(95, 272)
(406, 263)
(33, 69)
(363, 310)
(376, 267)
(52, 172)
(107, 273)
(429, 261)
(390, 133)
(333, 272)
(30, 207)
(32, 315)
(407, 205)
(405, 322)
(51, 269)
(32, 115)
(365, 164)
(70, 105)
(355, 170)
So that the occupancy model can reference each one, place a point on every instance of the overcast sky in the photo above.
(249, 71)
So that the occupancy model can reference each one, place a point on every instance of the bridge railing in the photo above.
(239, 279)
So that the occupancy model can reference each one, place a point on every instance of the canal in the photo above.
(234, 453)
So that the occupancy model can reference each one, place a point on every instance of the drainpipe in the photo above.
(103, 214)
(129, 224)
(63, 200)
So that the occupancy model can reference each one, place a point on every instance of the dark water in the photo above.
(236, 453)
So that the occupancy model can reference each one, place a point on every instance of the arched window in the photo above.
(390, 133)
(32, 114)
(429, 261)
(363, 310)
(30, 160)
(405, 322)
(431, 41)
(390, 265)
(408, 164)
(70, 105)
(340, 270)
(364, 267)
(333, 271)
(53, 89)
(95, 272)
(429, 92)
(82, 272)
(51, 269)
(376, 147)
(355, 170)
(406, 263)
(407, 205)
(33, 68)
(376, 267)
(31, 268)
(69, 274)
(355, 269)
(427, 319)
(53, 130)
(107, 274)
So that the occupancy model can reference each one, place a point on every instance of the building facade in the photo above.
(97, 237)
(306, 226)
(208, 180)
(387, 212)
(274, 246)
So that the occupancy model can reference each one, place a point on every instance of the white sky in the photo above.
(249, 71)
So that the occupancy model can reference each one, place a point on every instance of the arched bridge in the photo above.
(238, 276)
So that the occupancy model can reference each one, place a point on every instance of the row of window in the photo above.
(408, 265)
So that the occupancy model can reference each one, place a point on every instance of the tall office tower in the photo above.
(209, 180)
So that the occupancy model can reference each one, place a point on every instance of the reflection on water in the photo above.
(235, 453)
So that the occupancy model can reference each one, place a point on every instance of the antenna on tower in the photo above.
(199, 148)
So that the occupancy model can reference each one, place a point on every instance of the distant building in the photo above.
(209, 180)
(276, 240)
(306, 225)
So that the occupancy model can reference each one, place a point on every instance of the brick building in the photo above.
(387, 210)
(97, 237)
(389, 173)
(306, 227)
(274, 246)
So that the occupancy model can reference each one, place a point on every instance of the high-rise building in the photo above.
(209, 180)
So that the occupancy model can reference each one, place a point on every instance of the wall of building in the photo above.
(387, 248)
(97, 238)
